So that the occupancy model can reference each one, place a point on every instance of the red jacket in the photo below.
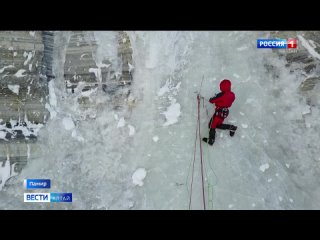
(225, 98)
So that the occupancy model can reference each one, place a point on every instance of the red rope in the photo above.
(194, 159)
(200, 140)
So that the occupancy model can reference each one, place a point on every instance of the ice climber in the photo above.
(222, 101)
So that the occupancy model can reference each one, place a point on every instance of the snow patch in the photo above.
(177, 87)
(121, 123)
(155, 138)
(52, 112)
(131, 130)
(6, 172)
(14, 88)
(19, 73)
(264, 167)
(4, 68)
(164, 89)
(95, 71)
(287, 165)
(28, 59)
(270, 180)
(131, 67)
(28, 151)
(26, 130)
(306, 110)
(3, 135)
(32, 33)
(172, 114)
(68, 123)
(138, 176)
(103, 65)
(75, 135)
(131, 204)
(168, 87)
(52, 94)
(244, 125)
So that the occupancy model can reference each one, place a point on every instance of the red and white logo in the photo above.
(292, 43)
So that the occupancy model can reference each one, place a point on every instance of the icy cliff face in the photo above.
(272, 162)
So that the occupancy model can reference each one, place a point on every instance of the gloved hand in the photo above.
(216, 96)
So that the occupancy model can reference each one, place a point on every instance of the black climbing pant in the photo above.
(212, 131)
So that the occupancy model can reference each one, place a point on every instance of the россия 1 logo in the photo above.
(292, 43)
(277, 43)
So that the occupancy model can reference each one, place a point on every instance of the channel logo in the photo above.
(277, 43)
(61, 197)
(47, 197)
(36, 197)
(271, 43)
(37, 183)
(292, 43)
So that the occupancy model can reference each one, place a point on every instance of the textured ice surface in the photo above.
(98, 171)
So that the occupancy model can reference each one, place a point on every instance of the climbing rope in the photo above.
(198, 134)
(194, 159)
(202, 162)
